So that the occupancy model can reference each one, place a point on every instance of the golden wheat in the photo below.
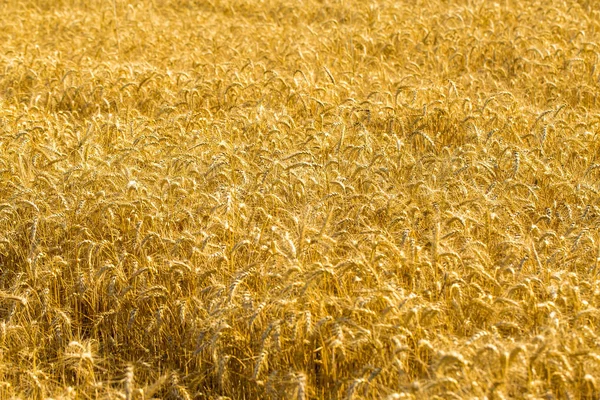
(253, 199)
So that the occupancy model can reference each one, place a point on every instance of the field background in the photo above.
(299, 200)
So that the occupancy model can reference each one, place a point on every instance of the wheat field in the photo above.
(274, 199)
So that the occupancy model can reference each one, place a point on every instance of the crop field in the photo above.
(280, 199)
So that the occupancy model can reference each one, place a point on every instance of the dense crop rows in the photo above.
(277, 199)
